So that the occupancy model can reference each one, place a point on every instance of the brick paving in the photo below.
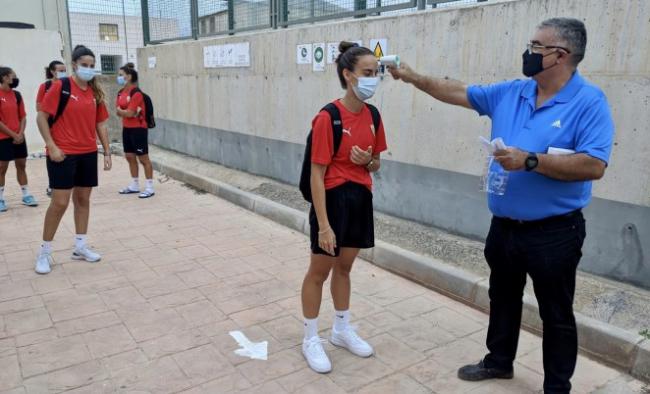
(181, 270)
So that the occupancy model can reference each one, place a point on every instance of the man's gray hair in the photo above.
(572, 32)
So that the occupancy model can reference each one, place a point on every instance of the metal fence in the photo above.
(168, 20)
(111, 28)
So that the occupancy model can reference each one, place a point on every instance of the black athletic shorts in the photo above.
(350, 213)
(135, 140)
(73, 171)
(10, 151)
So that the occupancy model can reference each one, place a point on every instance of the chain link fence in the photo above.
(111, 28)
(224, 16)
(168, 20)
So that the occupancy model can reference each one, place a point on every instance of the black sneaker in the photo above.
(478, 372)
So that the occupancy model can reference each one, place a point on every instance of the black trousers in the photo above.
(549, 251)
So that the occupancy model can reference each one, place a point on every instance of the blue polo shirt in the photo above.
(577, 118)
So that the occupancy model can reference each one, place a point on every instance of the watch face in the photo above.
(531, 162)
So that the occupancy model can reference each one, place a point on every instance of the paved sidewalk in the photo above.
(181, 270)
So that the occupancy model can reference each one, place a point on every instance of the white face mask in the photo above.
(366, 87)
(61, 74)
(85, 73)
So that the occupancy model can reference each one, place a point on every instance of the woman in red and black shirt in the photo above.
(71, 143)
(130, 107)
(12, 135)
(341, 217)
(53, 72)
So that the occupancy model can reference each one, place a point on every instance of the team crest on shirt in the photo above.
(348, 132)
(128, 99)
(72, 96)
(4, 100)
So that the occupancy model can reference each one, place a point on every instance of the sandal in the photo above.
(126, 190)
(147, 194)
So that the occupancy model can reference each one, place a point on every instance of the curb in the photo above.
(601, 341)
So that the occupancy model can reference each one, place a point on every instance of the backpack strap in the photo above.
(19, 100)
(63, 100)
(337, 125)
(134, 91)
(376, 117)
(144, 110)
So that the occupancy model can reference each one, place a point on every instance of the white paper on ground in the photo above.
(560, 151)
(254, 350)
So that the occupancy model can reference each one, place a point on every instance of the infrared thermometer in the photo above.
(390, 61)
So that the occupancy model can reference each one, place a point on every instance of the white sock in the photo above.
(80, 241)
(148, 184)
(341, 320)
(135, 184)
(2, 192)
(46, 247)
(311, 328)
(25, 190)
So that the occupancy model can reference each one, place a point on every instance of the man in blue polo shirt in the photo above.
(558, 131)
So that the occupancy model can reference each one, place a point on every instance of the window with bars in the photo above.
(108, 32)
(110, 63)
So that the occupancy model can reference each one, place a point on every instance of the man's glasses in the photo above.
(536, 48)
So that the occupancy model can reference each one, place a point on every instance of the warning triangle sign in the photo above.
(378, 50)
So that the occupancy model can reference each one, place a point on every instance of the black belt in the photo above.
(540, 222)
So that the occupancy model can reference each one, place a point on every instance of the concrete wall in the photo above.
(49, 15)
(256, 118)
(27, 52)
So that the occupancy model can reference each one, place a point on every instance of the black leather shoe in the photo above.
(478, 372)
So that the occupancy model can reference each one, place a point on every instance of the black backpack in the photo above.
(148, 107)
(337, 128)
(63, 99)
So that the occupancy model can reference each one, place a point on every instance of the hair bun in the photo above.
(345, 45)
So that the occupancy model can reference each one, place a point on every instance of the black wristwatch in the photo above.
(531, 161)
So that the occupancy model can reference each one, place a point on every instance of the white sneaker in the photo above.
(315, 355)
(43, 262)
(87, 254)
(349, 339)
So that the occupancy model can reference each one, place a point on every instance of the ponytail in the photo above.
(98, 91)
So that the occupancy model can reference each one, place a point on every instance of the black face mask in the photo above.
(14, 83)
(534, 63)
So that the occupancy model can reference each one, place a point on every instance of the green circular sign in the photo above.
(318, 55)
